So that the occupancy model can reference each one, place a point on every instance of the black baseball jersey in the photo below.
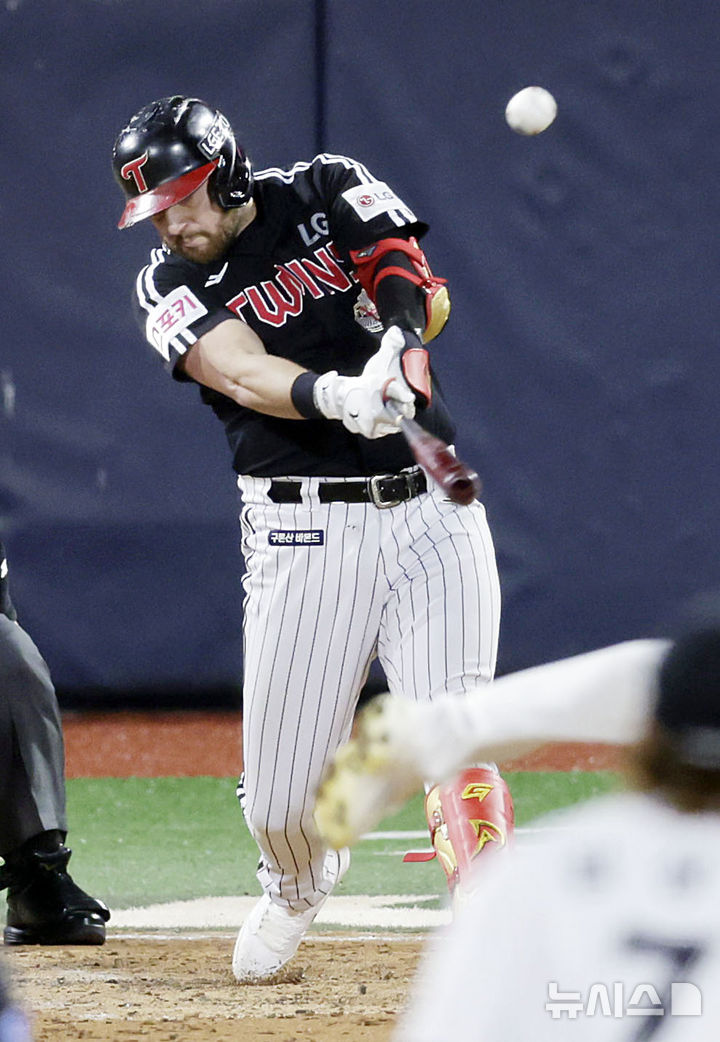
(288, 275)
(6, 605)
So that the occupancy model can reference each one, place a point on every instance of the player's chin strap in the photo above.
(469, 818)
(370, 272)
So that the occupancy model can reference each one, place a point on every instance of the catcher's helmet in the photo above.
(171, 147)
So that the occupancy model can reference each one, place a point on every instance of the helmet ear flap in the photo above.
(231, 184)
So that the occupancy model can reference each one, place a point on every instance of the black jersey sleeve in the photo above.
(174, 307)
(361, 208)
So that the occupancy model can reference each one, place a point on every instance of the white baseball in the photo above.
(531, 110)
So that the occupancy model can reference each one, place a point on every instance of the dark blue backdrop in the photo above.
(580, 356)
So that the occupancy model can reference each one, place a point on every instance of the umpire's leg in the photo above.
(32, 755)
(44, 904)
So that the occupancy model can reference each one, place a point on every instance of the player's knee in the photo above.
(275, 829)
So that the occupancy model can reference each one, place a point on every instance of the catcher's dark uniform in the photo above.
(332, 579)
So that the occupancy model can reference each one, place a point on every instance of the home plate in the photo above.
(386, 911)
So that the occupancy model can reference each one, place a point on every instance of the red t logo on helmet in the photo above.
(132, 169)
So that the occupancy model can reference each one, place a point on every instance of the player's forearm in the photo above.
(231, 359)
(399, 302)
(601, 696)
(264, 384)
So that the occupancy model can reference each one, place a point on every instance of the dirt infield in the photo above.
(189, 744)
(339, 988)
(169, 988)
(172, 987)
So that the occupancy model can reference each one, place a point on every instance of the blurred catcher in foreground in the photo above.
(606, 923)
(601, 696)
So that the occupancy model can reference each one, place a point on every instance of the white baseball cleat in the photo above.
(271, 934)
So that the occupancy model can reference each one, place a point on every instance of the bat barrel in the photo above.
(461, 484)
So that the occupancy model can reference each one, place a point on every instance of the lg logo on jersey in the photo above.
(275, 301)
(369, 200)
(319, 224)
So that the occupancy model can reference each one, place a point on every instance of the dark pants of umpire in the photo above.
(32, 753)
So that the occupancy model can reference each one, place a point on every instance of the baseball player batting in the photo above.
(300, 301)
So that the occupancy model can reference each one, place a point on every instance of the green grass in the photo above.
(142, 840)
(540, 792)
(138, 841)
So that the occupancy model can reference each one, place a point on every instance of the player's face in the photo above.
(197, 228)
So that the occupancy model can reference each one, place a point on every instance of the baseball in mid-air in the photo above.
(531, 110)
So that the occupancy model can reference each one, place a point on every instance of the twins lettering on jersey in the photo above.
(276, 300)
(308, 277)
(273, 301)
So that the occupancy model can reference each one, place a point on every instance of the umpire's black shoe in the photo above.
(45, 906)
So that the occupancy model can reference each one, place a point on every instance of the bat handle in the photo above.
(396, 412)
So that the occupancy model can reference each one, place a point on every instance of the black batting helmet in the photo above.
(171, 147)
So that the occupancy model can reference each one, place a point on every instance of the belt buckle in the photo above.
(382, 504)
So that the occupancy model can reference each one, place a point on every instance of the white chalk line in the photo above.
(526, 830)
(377, 912)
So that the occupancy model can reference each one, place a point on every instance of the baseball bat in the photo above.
(459, 481)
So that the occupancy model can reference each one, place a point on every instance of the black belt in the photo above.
(384, 490)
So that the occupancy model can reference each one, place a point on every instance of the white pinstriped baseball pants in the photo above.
(415, 584)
